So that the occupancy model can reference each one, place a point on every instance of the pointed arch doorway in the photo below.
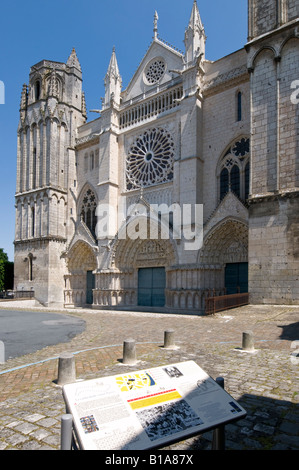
(225, 257)
(138, 274)
(80, 282)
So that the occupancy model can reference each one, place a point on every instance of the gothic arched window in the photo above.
(234, 170)
(235, 180)
(30, 267)
(224, 182)
(88, 210)
(247, 178)
(37, 89)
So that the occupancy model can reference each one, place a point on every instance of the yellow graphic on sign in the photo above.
(154, 399)
(131, 382)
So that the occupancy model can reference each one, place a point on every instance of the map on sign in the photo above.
(135, 381)
(149, 408)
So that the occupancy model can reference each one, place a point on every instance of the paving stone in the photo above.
(47, 422)
(290, 428)
(31, 445)
(25, 428)
(35, 417)
(40, 434)
(35, 406)
(264, 428)
(16, 439)
(14, 424)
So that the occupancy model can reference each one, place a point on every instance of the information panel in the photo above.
(149, 408)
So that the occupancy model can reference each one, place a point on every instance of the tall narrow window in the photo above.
(234, 170)
(239, 106)
(37, 90)
(34, 169)
(224, 183)
(91, 161)
(32, 221)
(30, 267)
(97, 158)
(88, 211)
(86, 162)
(247, 178)
(235, 180)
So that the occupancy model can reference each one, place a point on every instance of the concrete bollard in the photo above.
(129, 352)
(247, 341)
(2, 353)
(169, 342)
(66, 369)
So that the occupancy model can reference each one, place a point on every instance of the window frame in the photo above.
(232, 158)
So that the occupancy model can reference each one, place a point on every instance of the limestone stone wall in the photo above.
(273, 215)
(39, 266)
(274, 251)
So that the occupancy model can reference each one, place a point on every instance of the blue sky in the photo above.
(37, 29)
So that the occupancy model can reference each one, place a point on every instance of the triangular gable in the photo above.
(82, 233)
(174, 60)
(230, 206)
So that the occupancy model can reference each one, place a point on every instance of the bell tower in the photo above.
(273, 64)
(52, 107)
(265, 16)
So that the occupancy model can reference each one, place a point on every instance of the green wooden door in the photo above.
(151, 287)
(236, 277)
(90, 285)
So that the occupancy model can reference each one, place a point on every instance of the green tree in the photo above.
(3, 264)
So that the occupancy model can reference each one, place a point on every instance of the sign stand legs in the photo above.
(218, 442)
(66, 432)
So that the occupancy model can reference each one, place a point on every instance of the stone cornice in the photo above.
(48, 238)
(225, 80)
(257, 198)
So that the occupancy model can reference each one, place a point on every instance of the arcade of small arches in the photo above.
(35, 212)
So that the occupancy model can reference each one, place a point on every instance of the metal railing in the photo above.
(225, 302)
(17, 294)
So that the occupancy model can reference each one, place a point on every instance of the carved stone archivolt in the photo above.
(226, 243)
(142, 253)
(81, 258)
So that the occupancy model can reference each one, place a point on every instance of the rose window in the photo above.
(150, 159)
(155, 71)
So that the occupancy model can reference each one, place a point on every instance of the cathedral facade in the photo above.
(186, 183)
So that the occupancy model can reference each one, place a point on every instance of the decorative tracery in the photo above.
(155, 71)
(150, 159)
(234, 170)
(88, 210)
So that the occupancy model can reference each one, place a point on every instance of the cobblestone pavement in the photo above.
(264, 382)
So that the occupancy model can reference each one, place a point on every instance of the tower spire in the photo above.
(73, 60)
(113, 81)
(156, 17)
(195, 37)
